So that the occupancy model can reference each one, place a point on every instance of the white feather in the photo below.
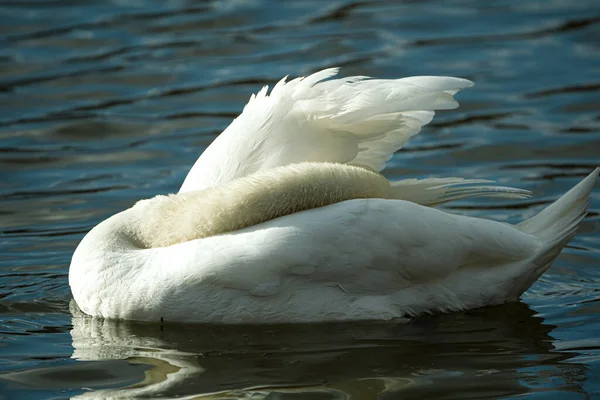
(348, 120)
(434, 191)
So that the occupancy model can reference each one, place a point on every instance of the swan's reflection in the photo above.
(456, 353)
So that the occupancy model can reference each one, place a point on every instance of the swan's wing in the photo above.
(347, 120)
(410, 244)
(343, 255)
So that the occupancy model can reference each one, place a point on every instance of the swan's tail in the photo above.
(556, 225)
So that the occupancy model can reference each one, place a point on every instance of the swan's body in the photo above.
(271, 226)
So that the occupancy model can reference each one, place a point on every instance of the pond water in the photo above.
(106, 102)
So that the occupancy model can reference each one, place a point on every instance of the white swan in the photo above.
(285, 219)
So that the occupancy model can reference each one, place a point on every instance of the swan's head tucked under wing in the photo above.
(167, 220)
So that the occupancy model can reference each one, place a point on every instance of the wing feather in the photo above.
(346, 120)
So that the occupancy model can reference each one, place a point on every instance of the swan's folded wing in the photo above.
(405, 244)
(362, 247)
(348, 120)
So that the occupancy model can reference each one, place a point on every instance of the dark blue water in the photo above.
(106, 102)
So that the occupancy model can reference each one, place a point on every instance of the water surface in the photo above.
(106, 102)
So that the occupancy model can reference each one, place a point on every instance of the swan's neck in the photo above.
(265, 195)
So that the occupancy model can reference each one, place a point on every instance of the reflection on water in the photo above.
(455, 354)
(103, 103)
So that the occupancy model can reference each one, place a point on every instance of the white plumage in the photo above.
(352, 120)
(384, 255)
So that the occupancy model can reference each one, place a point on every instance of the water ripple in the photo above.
(105, 103)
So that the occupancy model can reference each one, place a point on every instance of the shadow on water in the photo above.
(441, 356)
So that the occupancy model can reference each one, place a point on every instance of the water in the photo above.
(106, 102)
